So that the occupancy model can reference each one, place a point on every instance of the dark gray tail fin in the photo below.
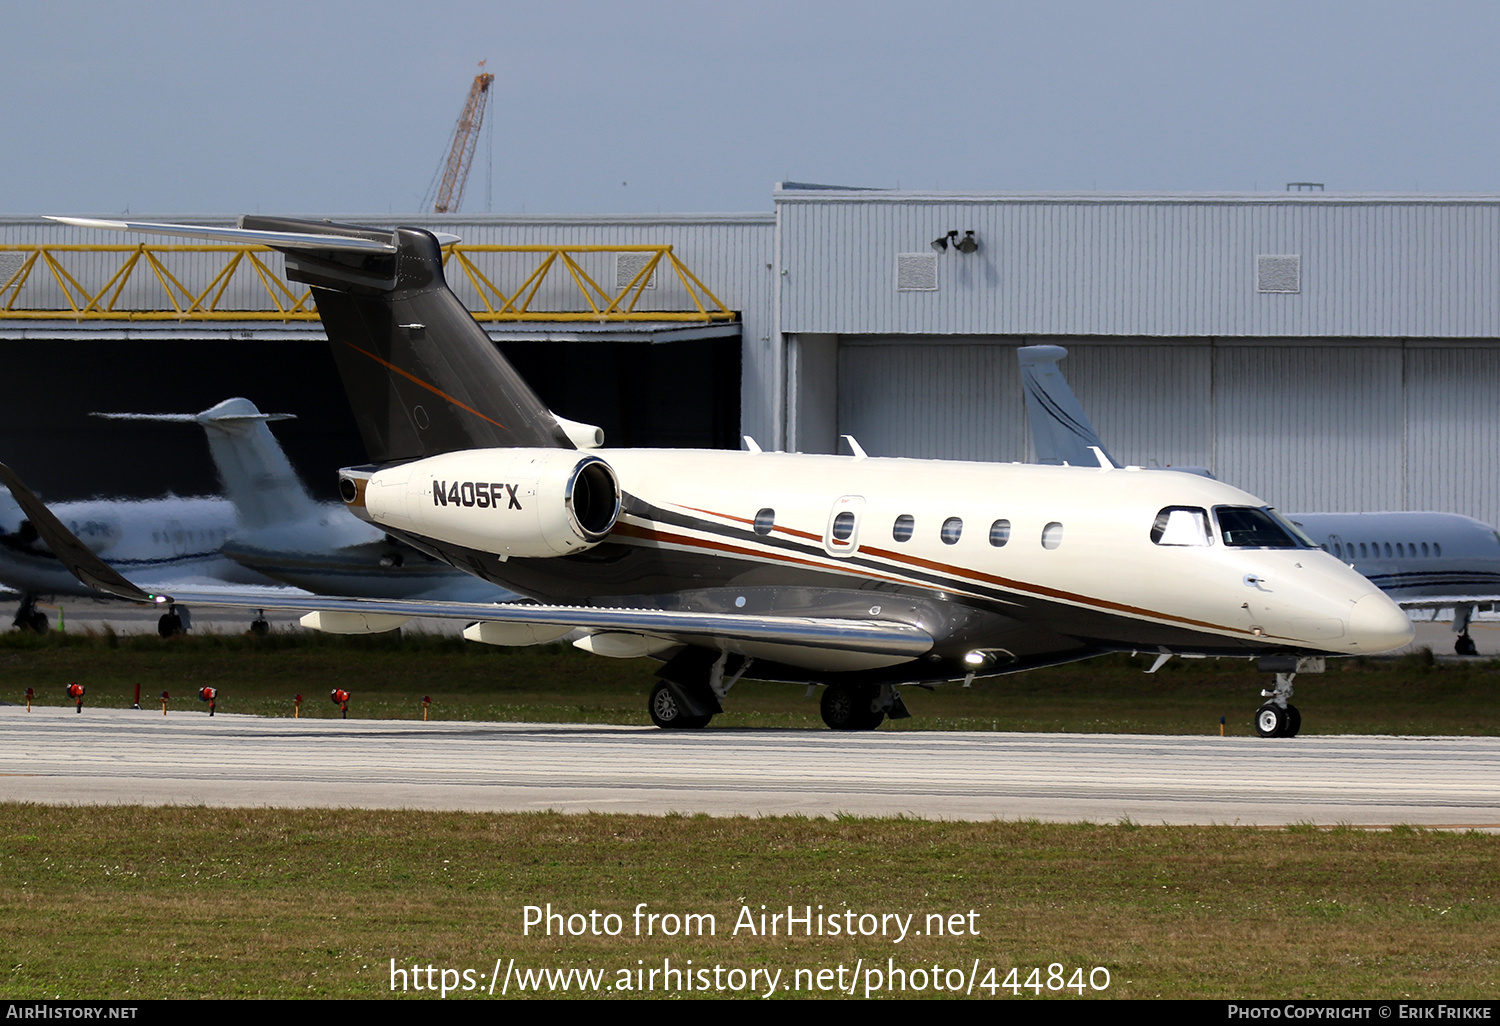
(422, 377)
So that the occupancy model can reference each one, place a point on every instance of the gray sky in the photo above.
(700, 106)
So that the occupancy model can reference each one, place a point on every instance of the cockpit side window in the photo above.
(1246, 527)
(1181, 525)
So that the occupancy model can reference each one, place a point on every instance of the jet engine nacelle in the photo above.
(512, 502)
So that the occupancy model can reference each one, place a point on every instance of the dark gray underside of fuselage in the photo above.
(1024, 631)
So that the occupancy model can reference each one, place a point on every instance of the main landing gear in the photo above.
(669, 711)
(693, 686)
(861, 706)
(1463, 644)
(174, 621)
(29, 617)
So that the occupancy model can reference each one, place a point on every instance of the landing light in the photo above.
(975, 658)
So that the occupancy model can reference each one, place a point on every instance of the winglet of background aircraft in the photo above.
(87, 567)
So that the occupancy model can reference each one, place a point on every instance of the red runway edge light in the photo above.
(75, 692)
(209, 695)
(341, 699)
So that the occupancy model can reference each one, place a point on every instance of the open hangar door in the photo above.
(653, 390)
(1315, 425)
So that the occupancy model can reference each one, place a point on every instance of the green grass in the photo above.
(122, 902)
(388, 676)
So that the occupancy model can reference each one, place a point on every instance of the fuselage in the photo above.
(1006, 565)
(1412, 556)
(154, 541)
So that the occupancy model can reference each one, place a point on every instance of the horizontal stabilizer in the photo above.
(247, 236)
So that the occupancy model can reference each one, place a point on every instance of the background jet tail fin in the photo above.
(257, 476)
(422, 376)
(1060, 430)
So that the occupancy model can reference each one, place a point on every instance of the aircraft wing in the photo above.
(1445, 601)
(872, 637)
(850, 643)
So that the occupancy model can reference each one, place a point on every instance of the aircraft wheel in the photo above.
(668, 714)
(169, 626)
(37, 623)
(1271, 720)
(1464, 645)
(259, 627)
(847, 707)
(1293, 721)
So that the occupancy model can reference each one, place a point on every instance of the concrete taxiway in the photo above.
(54, 755)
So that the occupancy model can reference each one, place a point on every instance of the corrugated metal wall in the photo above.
(1144, 266)
(1318, 426)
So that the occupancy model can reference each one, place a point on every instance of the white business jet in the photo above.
(858, 574)
(1421, 560)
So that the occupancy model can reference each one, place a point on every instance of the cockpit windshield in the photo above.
(1246, 527)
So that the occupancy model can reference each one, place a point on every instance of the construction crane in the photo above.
(455, 171)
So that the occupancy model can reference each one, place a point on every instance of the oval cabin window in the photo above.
(1052, 535)
(999, 533)
(904, 526)
(953, 528)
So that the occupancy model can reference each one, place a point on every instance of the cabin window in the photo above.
(1181, 525)
(1363, 552)
(1246, 527)
(1000, 533)
(843, 526)
(764, 521)
(1052, 535)
(1437, 550)
(1387, 550)
(953, 527)
(1338, 550)
(1424, 550)
(904, 526)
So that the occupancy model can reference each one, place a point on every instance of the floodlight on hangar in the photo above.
(967, 244)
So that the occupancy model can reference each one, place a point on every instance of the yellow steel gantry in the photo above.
(182, 303)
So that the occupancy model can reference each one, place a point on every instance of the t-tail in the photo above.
(1060, 430)
(257, 476)
(422, 376)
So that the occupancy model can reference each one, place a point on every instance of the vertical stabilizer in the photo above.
(1060, 430)
(422, 376)
(257, 476)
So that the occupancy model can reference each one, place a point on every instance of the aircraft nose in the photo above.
(1376, 624)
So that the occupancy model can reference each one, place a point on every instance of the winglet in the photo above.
(76, 556)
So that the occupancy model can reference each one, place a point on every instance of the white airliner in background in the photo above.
(1421, 560)
(268, 531)
(858, 574)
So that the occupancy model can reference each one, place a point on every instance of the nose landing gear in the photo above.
(1279, 717)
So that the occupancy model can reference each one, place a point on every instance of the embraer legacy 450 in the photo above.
(859, 574)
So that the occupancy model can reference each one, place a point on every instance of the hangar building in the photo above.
(1325, 351)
